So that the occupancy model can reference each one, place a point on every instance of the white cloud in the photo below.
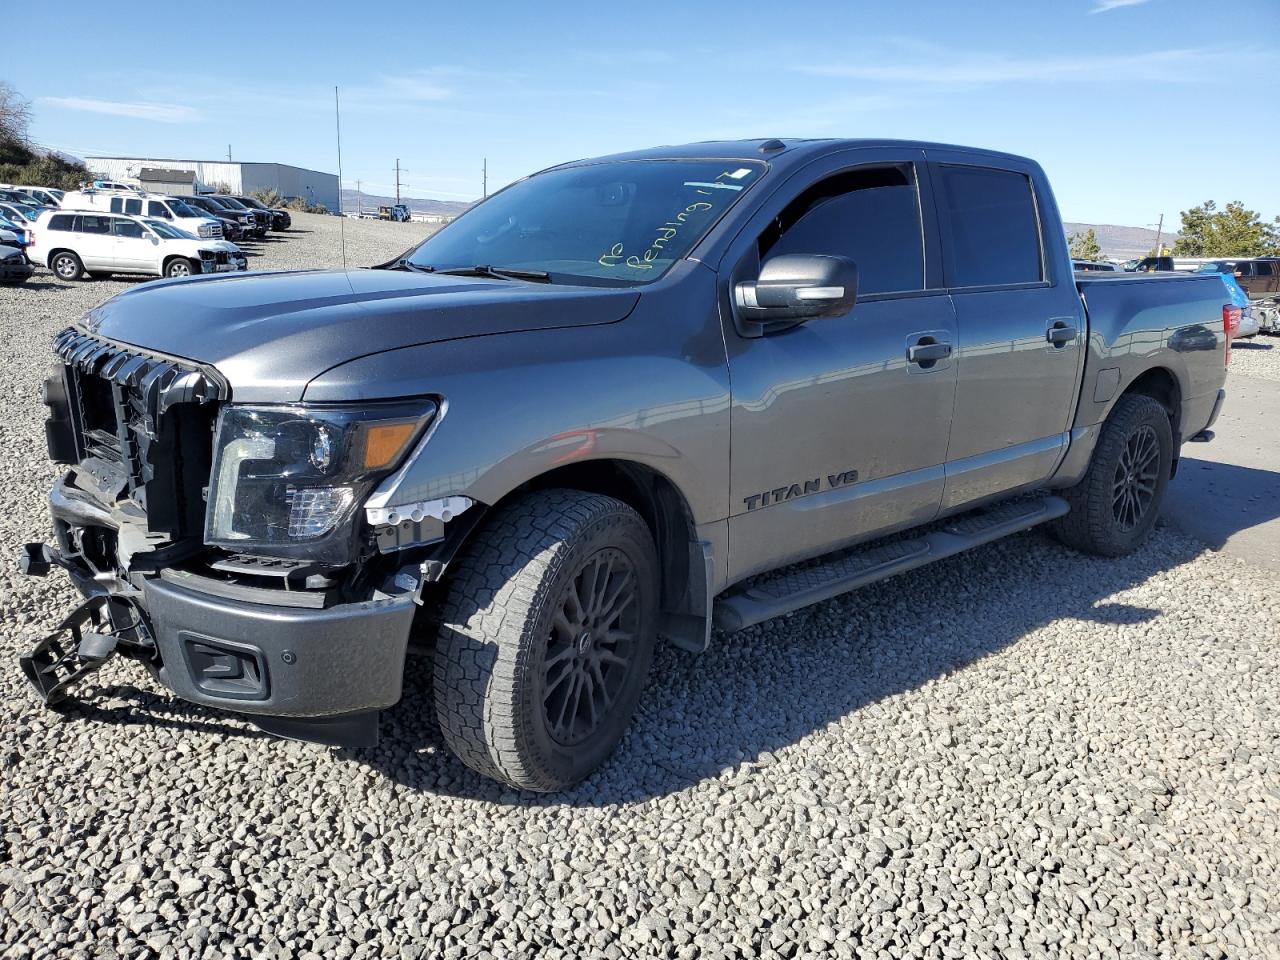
(158, 112)
(945, 69)
(1103, 6)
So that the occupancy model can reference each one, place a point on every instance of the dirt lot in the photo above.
(1021, 752)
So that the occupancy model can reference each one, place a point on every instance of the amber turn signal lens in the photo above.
(384, 443)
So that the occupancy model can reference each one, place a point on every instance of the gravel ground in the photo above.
(1021, 752)
(1256, 357)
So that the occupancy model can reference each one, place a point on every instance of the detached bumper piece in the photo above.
(71, 652)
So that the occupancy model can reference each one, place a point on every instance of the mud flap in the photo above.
(71, 652)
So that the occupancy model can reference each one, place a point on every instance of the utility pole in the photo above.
(359, 198)
(397, 180)
(228, 153)
(484, 179)
(1159, 233)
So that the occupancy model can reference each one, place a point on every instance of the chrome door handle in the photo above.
(926, 352)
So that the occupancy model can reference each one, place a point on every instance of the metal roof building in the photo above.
(314, 186)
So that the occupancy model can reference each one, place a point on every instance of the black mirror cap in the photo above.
(799, 286)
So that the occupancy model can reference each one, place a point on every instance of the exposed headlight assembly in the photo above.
(288, 481)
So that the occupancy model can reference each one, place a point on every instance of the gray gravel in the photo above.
(1021, 752)
(1256, 357)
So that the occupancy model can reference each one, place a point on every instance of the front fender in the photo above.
(519, 405)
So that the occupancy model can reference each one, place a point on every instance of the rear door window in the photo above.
(1262, 268)
(990, 230)
(61, 221)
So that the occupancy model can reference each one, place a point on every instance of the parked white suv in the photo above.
(153, 206)
(44, 195)
(72, 244)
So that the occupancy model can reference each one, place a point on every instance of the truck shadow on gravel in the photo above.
(764, 689)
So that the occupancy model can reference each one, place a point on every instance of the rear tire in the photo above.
(546, 636)
(1117, 503)
(66, 266)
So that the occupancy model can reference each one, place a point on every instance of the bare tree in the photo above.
(15, 115)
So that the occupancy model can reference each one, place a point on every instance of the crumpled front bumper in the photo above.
(318, 674)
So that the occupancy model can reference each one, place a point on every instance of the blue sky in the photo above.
(1134, 107)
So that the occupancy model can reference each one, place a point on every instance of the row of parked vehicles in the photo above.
(112, 227)
(1253, 283)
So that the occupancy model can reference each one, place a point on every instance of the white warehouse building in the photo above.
(242, 178)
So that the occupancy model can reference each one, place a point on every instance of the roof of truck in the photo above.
(779, 150)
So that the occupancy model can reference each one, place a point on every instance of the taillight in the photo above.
(1231, 315)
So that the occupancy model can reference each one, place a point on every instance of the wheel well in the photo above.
(1162, 386)
(663, 508)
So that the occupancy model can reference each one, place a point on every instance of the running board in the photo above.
(794, 587)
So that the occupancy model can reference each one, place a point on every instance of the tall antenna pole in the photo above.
(342, 221)
(359, 199)
(1159, 233)
(397, 180)
(228, 153)
(484, 179)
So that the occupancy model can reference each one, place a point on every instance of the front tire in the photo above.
(1116, 504)
(179, 267)
(546, 636)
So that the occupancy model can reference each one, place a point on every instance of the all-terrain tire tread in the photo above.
(482, 656)
(1089, 526)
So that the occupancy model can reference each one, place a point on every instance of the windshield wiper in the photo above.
(410, 265)
(498, 273)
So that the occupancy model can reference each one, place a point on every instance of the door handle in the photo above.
(1060, 333)
(928, 352)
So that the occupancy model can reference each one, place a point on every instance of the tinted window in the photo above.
(117, 205)
(62, 221)
(1262, 268)
(989, 229)
(127, 228)
(871, 216)
(1244, 269)
(91, 224)
(157, 209)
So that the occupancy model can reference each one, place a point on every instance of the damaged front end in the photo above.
(264, 604)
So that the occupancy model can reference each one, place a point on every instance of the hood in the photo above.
(269, 334)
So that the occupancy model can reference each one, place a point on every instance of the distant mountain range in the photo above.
(369, 202)
(1116, 241)
(1122, 242)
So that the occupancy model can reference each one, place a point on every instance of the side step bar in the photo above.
(792, 588)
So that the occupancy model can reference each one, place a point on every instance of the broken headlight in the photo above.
(288, 481)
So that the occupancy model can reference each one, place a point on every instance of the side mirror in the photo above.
(799, 286)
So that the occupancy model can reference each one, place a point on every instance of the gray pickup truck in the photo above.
(638, 397)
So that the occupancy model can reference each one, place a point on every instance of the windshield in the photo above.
(1214, 268)
(180, 209)
(23, 212)
(618, 222)
(163, 230)
(231, 202)
(250, 202)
